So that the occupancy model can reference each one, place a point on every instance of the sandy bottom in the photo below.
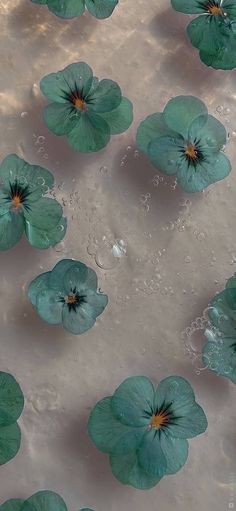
(178, 250)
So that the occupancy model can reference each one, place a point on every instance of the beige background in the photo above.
(179, 251)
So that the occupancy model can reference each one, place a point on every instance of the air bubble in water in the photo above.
(105, 258)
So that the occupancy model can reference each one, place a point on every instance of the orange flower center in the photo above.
(79, 103)
(191, 152)
(159, 420)
(71, 299)
(16, 201)
(215, 9)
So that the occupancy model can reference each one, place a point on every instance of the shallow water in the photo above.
(175, 251)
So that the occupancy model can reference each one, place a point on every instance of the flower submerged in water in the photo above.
(145, 430)
(222, 309)
(73, 8)
(185, 140)
(213, 32)
(68, 295)
(12, 403)
(87, 111)
(23, 207)
(44, 500)
(219, 354)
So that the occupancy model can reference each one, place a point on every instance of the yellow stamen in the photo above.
(159, 420)
(214, 9)
(79, 103)
(16, 201)
(191, 152)
(71, 299)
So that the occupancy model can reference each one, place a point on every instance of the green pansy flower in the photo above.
(68, 295)
(73, 8)
(185, 140)
(144, 430)
(222, 309)
(44, 500)
(213, 33)
(219, 354)
(11, 406)
(24, 207)
(87, 111)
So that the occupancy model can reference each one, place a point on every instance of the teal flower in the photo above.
(185, 140)
(68, 295)
(73, 8)
(24, 207)
(11, 406)
(87, 111)
(222, 309)
(44, 500)
(144, 430)
(213, 32)
(219, 354)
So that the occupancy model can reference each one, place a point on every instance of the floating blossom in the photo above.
(87, 111)
(23, 207)
(73, 8)
(222, 310)
(68, 295)
(219, 354)
(213, 32)
(144, 430)
(44, 500)
(11, 406)
(185, 140)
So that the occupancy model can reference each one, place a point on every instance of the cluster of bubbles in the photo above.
(144, 200)
(39, 143)
(107, 251)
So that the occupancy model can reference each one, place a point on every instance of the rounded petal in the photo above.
(11, 399)
(222, 311)
(207, 33)
(189, 6)
(150, 455)
(57, 274)
(75, 276)
(11, 229)
(12, 505)
(132, 402)
(49, 306)
(101, 9)
(175, 451)
(224, 58)
(97, 301)
(211, 169)
(109, 434)
(36, 177)
(120, 119)
(189, 422)
(61, 118)
(44, 501)
(43, 239)
(151, 128)
(68, 9)
(220, 356)
(165, 153)
(180, 112)
(10, 438)
(37, 285)
(175, 390)
(79, 321)
(60, 86)
(91, 134)
(45, 213)
(212, 134)
(128, 471)
(105, 97)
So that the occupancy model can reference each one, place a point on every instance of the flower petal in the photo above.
(58, 272)
(151, 128)
(222, 311)
(43, 239)
(91, 134)
(188, 422)
(165, 153)
(128, 471)
(49, 306)
(68, 9)
(175, 390)
(180, 112)
(225, 57)
(212, 134)
(12, 505)
(79, 321)
(44, 500)
(189, 6)
(37, 285)
(229, 7)
(100, 9)
(11, 399)
(97, 301)
(207, 33)
(150, 455)
(109, 434)
(175, 451)
(132, 402)
(10, 438)
(45, 213)
(220, 356)
(211, 169)
(36, 177)
(61, 118)
(105, 97)
(60, 86)
(11, 229)
(75, 276)
(120, 119)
